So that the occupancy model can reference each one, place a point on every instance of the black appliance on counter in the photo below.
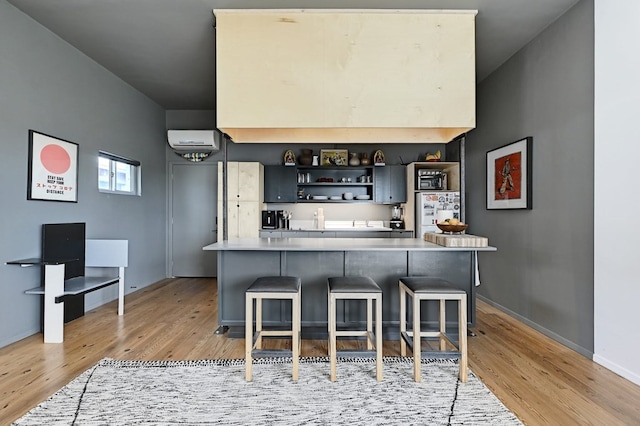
(274, 219)
(269, 219)
(396, 224)
(396, 221)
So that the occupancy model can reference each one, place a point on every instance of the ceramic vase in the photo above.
(364, 159)
(354, 160)
(306, 157)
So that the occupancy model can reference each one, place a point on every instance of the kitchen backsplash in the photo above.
(335, 211)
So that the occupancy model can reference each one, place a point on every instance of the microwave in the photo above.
(431, 179)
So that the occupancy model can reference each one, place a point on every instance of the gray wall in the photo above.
(543, 270)
(48, 86)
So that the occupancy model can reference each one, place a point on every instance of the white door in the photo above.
(193, 214)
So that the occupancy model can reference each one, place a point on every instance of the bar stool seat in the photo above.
(431, 288)
(356, 288)
(285, 288)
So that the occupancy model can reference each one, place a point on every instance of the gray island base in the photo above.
(314, 260)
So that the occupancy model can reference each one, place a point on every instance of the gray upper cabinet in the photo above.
(279, 184)
(382, 185)
(390, 184)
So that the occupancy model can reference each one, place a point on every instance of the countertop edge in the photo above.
(335, 244)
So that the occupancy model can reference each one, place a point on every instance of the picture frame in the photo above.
(52, 168)
(509, 175)
(334, 157)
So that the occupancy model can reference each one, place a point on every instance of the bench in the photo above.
(57, 289)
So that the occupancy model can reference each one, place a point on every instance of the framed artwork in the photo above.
(378, 158)
(53, 169)
(289, 158)
(334, 157)
(509, 176)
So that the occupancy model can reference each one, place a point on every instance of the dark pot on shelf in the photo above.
(306, 157)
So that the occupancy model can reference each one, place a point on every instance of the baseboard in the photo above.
(17, 337)
(621, 371)
(568, 343)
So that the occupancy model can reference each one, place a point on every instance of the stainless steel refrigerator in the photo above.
(434, 206)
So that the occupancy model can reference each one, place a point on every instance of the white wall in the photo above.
(617, 152)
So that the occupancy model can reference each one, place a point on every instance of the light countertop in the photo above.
(370, 229)
(335, 244)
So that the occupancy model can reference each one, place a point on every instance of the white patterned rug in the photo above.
(215, 392)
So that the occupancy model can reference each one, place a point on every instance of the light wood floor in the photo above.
(541, 381)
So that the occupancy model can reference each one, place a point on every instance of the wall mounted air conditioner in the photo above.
(193, 140)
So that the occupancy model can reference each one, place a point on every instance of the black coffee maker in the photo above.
(270, 219)
(396, 221)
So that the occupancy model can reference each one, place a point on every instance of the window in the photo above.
(118, 175)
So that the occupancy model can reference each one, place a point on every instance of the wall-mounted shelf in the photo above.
(335, 184)
(332, 181)
(382, 184)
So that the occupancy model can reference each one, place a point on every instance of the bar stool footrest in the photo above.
(355, 353)
(271, 353)
(409, 341)
(440, 354)
(283, 334)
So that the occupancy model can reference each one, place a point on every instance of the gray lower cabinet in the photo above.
(321, 234)
(308, 234)
(390, 185)
(270, 234)
(280, 184)
(403, 233)
(362, 234)
(385, 267)
(295, 234)
(335, 234)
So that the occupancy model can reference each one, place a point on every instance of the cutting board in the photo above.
(456, 240)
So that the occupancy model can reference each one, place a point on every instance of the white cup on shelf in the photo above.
(348, 195)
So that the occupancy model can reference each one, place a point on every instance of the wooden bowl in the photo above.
(454, 229)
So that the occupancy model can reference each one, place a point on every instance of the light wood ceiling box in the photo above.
(345, 75)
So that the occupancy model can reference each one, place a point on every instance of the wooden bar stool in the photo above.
(287, 288)
(428, 288)
(359, 288)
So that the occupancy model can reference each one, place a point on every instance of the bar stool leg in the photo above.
(403, 320)
(370, 323)
(379, 338)
(462, 333)
(332, 336)
(248, 337)
(417, 341)
(259, 322)
(295, 333)
(443, 324)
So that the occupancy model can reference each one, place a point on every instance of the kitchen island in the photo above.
(314, 260)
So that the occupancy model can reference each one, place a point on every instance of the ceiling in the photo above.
(166, 48)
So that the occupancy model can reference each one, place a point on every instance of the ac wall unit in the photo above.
(193, 140)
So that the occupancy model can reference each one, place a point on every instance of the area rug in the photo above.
(215, 392)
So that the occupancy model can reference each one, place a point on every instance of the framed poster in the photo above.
(509, 176)
(334, 157)
(53, 169)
